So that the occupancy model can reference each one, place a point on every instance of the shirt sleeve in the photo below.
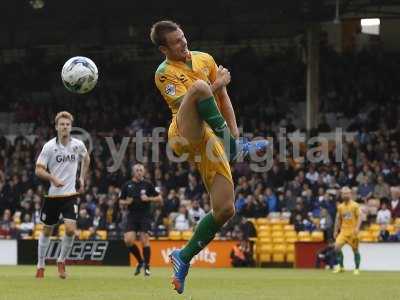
(44, 156)
(170, 87)
(82, 149)
(213, 69)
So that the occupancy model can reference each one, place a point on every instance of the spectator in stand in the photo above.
(365, 190)
(181, 221)
(382, 189)
(395, 202)
(84, 221)
(26, 227)
(272, 200)
(99, 221)
(196, 213)
(384, 216)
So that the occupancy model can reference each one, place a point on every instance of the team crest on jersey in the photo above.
(206, 71)
(170, 89)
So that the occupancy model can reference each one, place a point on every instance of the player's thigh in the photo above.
(340, 242)
(355, 244)
(50, 212)
(129, 237)
(189, 123)
(69, 211)
(145, 238)
(222, 198)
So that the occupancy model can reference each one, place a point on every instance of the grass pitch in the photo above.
(108, 283)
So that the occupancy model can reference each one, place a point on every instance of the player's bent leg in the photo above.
(66, 245)
(222, 201)
(44, 241)
(189, 121)
(145, 239)
(129, 239)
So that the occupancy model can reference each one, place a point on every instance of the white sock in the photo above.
(44, 242)
(66, 245)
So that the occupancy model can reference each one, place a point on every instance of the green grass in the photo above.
(97, 283)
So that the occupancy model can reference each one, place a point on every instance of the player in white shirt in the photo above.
(58, 164)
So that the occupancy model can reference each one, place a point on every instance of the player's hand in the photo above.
(57, 182)
(81, 185)
(223, 76)
(356, 232)
(144, 198)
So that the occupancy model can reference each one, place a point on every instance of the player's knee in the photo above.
(70, 231)
(201, 89)
(128, 242)
(224, 213)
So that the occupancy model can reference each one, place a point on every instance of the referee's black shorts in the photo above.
(138, 223)
(54, 207)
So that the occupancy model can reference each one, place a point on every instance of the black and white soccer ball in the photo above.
(79, 74)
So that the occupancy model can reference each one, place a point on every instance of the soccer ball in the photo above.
(79, 74)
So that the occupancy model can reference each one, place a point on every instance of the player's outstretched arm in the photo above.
(41, 172)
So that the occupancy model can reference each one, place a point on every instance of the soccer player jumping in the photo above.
(58, 164)
(347, 227)
(195, 90)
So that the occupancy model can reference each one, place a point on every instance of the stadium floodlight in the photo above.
(370, 26)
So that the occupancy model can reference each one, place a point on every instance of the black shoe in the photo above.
(146, 271)
(137, 271)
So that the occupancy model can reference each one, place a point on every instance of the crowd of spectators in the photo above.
(126, 101)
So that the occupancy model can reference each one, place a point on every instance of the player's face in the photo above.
(176, 48)
(346, 195)
(138, 172)
(63, 127)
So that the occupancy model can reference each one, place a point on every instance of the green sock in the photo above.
(357, 259)
(340, 258)
(204, 233)
(209, 112)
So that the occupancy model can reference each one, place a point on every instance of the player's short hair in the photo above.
(63, 114)
(160, 29)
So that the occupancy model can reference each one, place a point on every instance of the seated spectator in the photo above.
(84, 221)
(99, 221)
(395, 202)
(384, 216)
(26, 227)
(196, 213)
(271, 199)
(382, 189)
(365, 190)
(181, 221)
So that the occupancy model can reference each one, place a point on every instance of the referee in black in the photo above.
(138, 194)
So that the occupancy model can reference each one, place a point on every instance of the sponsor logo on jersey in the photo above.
(170, 89)
(65, 158)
